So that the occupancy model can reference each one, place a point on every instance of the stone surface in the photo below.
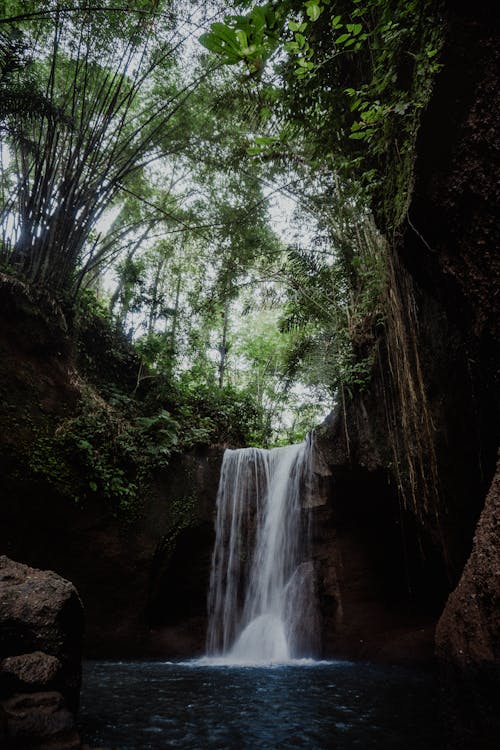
(121, 571)
(29, 672)
(367, 611)
(35, 716)
(468, 634)
(39, 688)
(40, 611)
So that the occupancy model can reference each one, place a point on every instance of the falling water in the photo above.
(261, 599)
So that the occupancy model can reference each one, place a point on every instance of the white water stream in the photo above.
(261, 599)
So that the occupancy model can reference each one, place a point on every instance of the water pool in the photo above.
(151, 705)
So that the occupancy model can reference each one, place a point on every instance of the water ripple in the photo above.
(157, 705)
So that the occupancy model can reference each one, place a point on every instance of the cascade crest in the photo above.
(261, 600)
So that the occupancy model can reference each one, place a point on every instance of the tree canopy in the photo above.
(146, 146)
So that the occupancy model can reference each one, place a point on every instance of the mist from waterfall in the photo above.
(261, 603)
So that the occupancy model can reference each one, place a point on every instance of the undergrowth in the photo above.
(115, 439)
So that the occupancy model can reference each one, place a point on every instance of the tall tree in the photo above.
(95, 66)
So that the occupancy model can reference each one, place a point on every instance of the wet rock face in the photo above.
(456, 193)
(450, 249)
(362, 576)
(128, 575)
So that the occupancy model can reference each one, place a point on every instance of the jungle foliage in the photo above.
(138, 174)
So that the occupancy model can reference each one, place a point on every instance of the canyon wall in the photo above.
(392, 564)
(142, 577)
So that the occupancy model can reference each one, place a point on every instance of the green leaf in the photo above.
(93, 486)
(225, 33)
(354, 28)
(401, 107)
(231, 58)
(313, 10)
(342, 38)
(265, 139)
(367, 116)
(242, 38)
(261, 18)
(85, 445)
(210, 42)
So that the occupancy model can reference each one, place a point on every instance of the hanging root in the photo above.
(409, 419)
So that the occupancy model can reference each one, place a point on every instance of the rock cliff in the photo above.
(143, 588)
(412, 457)
(468, 633)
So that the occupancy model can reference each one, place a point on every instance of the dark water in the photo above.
(336, 705)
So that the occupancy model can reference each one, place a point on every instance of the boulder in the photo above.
(29, 673)
(41, 629)
(34, 718)
(41, 612)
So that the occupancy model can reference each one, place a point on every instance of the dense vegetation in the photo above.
(141, 176)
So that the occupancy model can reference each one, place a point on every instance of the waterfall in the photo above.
(261, 600)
